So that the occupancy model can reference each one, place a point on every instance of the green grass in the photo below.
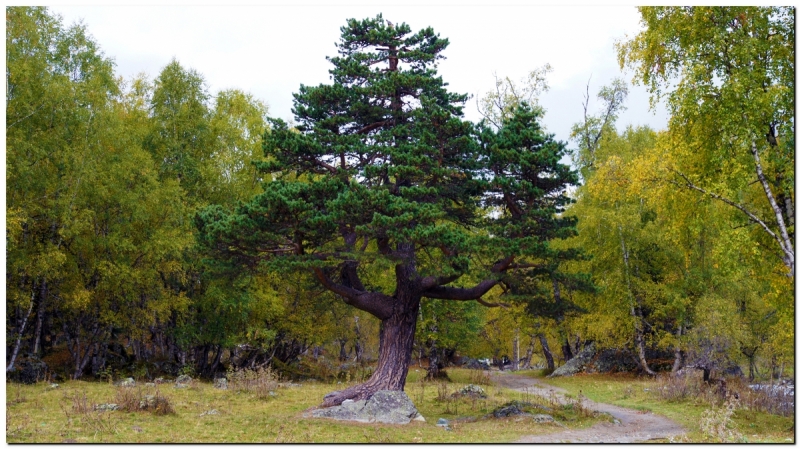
(639, 393)
(37, 414)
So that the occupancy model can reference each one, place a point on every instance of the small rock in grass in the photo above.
(221, 383)
(213, 411)
(149, 384)
(106, 407)
(137, 429)
(183, 379)
(53, 386)
(128, 382)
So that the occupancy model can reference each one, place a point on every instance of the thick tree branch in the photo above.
(435, 281)
(461, 294)
(376, 304)
(372, 126)
(330, 168)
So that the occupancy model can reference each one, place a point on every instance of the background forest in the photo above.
(682, 253)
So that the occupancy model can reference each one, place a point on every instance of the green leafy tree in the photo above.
(181, 139)
(92, 229)
(381, 169)
(728, 76)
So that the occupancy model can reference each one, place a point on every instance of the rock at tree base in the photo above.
(388, 407)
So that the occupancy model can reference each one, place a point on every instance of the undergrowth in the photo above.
(261, 381)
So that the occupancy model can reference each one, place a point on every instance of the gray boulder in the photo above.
(184, 379)
(221, 383)
(577, 363)
(389, 407)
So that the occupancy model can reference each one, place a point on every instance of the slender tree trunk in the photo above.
(566, 350)
(342, 350)
(515, 364)
(433, 361)
(678, 363)
(784, 240)
(215, 364)
(528, 355)
(359, 350)
(14, 353)
(548, 355)
(638, 332)
(396, 345)
(562, 332)
(37, 333)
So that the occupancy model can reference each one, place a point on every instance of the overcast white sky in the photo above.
(269, 51)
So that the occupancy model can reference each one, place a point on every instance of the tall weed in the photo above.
(716, 423)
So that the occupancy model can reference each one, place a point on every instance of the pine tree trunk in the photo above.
(396, 345)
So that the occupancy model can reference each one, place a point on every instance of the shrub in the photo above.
(262, 381)
(133, 400)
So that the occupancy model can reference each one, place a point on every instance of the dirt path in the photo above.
(631, 426)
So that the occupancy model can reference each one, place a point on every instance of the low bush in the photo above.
(134, 400)
(261, 381)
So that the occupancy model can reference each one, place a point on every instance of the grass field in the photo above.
(38, 414)
(203, 414)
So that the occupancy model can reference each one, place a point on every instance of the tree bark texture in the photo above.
(396, 344)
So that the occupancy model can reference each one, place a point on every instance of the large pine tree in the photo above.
(381, 170)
